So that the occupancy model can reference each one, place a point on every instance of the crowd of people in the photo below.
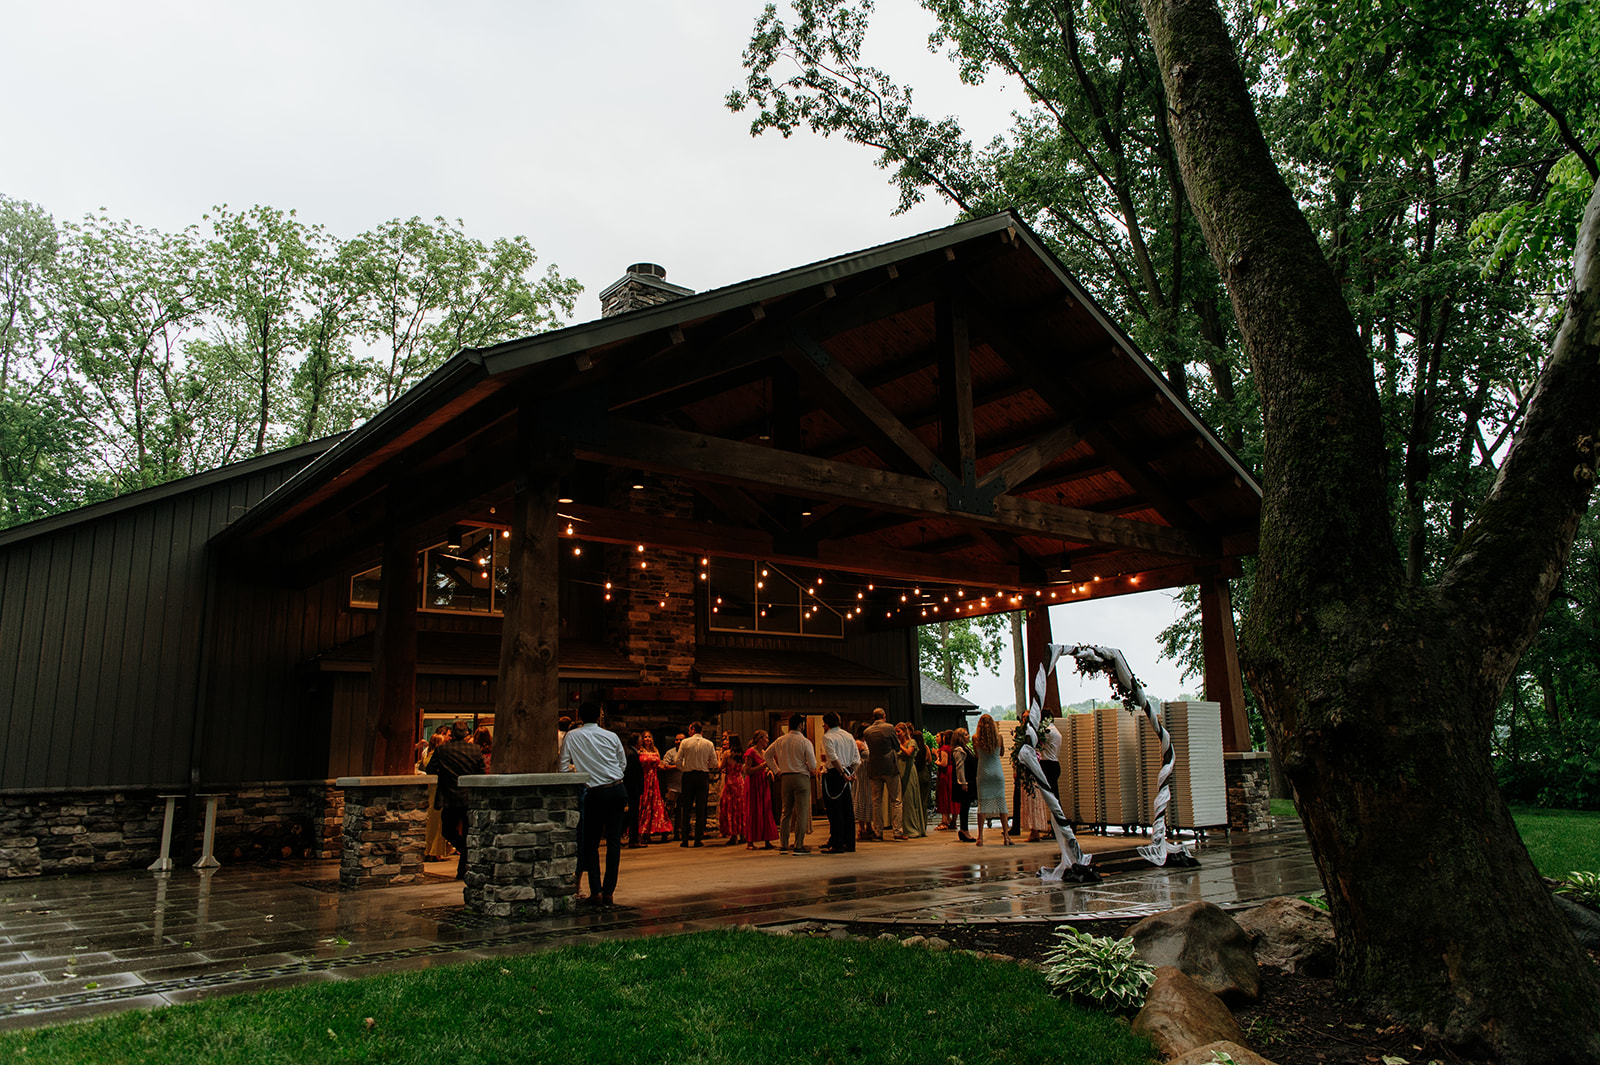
(876, 784)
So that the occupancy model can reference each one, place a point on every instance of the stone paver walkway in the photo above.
(81, 946)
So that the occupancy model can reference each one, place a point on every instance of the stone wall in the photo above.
(522, 842)
(659, 639)
(99, 829)
(1249, 783)
(384, 831)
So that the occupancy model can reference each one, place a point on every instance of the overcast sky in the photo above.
(596, 130)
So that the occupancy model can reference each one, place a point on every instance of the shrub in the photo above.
(1106, 972)
(1581, 887)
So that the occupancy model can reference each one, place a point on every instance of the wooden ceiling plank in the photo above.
(1066, 396)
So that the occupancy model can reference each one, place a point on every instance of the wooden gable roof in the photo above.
(950, 410)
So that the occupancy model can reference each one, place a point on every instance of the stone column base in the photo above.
(522, 842)
(1249, 790)
(385, 830)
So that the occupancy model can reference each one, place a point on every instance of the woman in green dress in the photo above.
(913, 812)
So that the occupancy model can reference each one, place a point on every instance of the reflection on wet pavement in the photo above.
(74, 947)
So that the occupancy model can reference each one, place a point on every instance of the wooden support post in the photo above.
(392, 701)
(1224, 682)
(1038, 630)
(528, 702)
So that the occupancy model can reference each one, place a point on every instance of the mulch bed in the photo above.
(1300, 1020)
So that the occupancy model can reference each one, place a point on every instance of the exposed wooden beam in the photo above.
(1031, 459)
(956, 430)
(1067, 397)
(696, 456)
(854, 406)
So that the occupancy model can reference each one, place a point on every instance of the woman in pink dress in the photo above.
(947, 805)
(652, 811)
(763, 829)
(733, 813)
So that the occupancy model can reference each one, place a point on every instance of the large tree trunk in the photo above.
(1380, 694)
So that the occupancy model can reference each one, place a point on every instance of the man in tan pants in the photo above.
(792, 758)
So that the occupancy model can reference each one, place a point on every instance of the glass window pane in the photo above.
(457, 576)
(364, 587)
(779, 601)
(823, 621)
(730, 595)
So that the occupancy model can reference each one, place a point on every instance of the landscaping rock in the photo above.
(1292, 936)
(1584, 922)
(935, 943)
(1204, 942)
(913, 941)
(1211, 1052)
(1180, 1015)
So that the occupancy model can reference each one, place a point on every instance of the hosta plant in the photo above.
(1107, 972)
(1581, 887)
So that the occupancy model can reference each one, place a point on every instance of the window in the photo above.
(465, 573)
(747, 596)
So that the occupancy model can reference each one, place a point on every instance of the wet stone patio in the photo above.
(82, 946)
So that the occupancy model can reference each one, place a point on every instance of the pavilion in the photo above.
(731, 506)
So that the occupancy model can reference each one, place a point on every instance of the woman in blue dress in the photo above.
(991, 777)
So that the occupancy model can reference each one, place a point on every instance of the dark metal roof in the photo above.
(300, 453)
(936, 694)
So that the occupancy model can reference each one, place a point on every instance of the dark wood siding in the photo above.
(100, 634)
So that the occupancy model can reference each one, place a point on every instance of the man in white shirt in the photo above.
(840, 758)
(793, 758)
(697, 757)
(597, 751)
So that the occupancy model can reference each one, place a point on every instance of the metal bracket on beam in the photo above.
(966, 495)
(813, 350)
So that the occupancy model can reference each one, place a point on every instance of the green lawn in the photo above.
(711, 997)
(1559, 841)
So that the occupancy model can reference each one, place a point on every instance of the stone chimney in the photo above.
(643, 285)
(652, 615)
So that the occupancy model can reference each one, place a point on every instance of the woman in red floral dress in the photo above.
(733, 812)
(652, 811)
(763, 829)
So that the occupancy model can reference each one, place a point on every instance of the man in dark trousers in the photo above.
(840, 758)
(596, 751)
(697, 757)
(452, 761)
